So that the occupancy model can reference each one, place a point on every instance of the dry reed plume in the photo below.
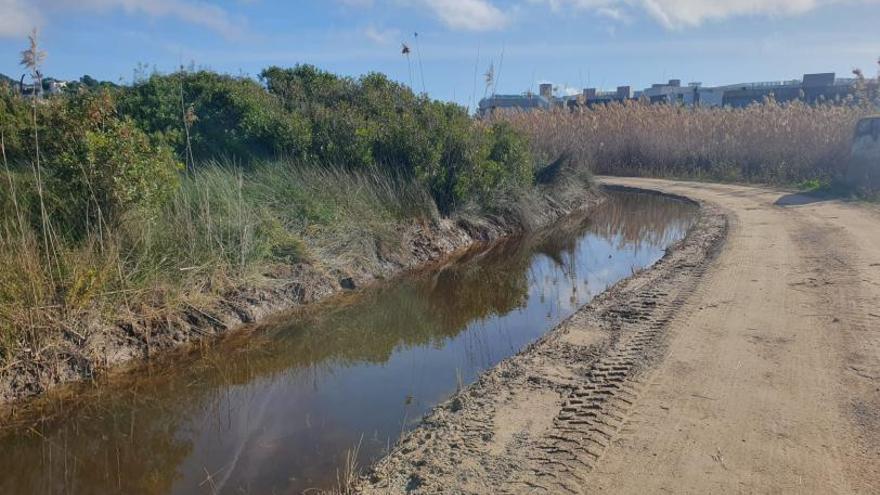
(770, 142)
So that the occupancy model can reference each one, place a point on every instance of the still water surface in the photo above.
(275, 409)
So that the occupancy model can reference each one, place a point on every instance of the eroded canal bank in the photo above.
(540, 421)
(279, 407)
(90, 343)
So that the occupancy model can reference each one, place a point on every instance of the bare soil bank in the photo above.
(540, 421)
(110, 344)
(745, 366)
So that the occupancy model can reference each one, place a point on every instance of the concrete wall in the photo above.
(711, 97)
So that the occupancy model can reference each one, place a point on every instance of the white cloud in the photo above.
(469, 15)
(677, 14)
(17, 19)
(465, 15)
(683, 13)
(560, 5)
(19, 16)
(381, 36)
(613, 13)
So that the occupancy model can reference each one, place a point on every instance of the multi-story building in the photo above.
(525, 102)
(812, 88)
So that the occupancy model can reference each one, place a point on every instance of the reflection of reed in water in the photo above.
(135, 421)
(428, 308)
(121, 446)
(641, 219)
(132, 437)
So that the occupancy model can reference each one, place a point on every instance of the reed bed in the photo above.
(770, 142)
(220, 230)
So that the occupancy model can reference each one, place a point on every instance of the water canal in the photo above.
(277, 408)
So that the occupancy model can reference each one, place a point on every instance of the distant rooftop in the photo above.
(526, 101)
(810, 87)
(527, 96)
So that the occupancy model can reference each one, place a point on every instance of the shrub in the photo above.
(105, 149)
(15, 123)
(98, 165)
(478, 163)
(375, 121)
(227, 116)
(510, 151)
(304, 87)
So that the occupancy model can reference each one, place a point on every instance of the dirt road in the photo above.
(772, 379)
(749, 367)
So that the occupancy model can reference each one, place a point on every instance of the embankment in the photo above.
(540, 420)
(135, 336)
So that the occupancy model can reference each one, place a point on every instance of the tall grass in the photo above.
(220, 229)
(768, 142)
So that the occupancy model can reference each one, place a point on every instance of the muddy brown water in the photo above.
(280, 407)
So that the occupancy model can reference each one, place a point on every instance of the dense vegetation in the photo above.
(302, 114)
(770, 142)
(136, 200)
(180, 187)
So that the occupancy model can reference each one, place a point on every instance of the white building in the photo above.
(56, 87)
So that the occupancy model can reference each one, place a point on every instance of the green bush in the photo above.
(15, 123)
(504, 164)
(96, 165)
(228, 116)
(304, 87)
(120, 167)
(302, 113)
(375, 121)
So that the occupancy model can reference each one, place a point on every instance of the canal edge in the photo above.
(596, 400)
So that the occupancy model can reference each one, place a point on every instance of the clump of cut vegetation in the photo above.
(769, 142)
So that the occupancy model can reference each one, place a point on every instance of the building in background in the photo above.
(546, 90)
(812, 88)
(523, 102)
(670, 92)
(55, 87)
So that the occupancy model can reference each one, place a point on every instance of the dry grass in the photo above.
(221, 230)
(769, 142)
(348, 475)
(224, 232)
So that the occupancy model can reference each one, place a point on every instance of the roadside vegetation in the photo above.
(123, 204)
(127, 203)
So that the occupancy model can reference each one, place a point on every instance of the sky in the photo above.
(570, 43)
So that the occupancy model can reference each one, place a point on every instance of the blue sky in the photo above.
(572, 43)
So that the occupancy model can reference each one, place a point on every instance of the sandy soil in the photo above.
(746, 361)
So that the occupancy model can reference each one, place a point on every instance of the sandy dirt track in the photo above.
(746, 361)
(771, 383)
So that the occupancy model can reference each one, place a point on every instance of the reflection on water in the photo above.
(275, 409)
